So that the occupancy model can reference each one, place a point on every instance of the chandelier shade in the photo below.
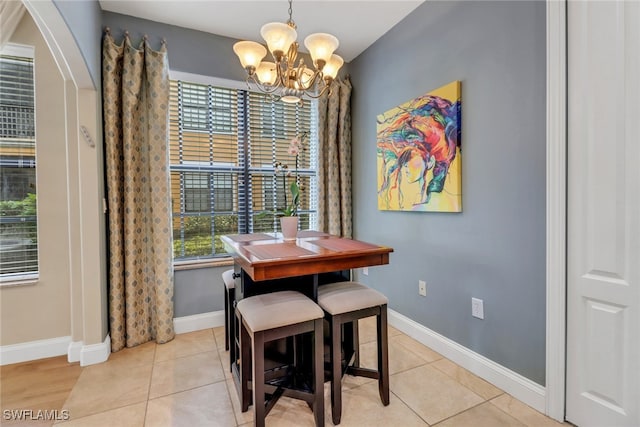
(332, 66)
(250, 53)
(286, 78)
(321, 46)
(279, 37)
(267, 73)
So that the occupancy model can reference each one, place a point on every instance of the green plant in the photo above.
(291, 209)
(24, 207)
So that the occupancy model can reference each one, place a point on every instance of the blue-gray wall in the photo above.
(495, 249)
(83, 19)
(198, 291)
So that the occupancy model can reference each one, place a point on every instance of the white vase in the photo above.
(289, 225)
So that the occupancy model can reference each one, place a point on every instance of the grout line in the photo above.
(153, 363)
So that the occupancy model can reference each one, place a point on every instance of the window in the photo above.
(18, 222)
(223, 146)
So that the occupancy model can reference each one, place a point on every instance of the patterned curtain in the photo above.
(136, 99)
(334, 168)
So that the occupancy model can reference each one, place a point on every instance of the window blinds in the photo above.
(18, 220)
(223, 147)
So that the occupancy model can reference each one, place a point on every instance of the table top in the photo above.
(266, 256)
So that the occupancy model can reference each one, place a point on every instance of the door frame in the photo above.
(556, 210)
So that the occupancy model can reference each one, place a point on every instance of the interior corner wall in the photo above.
(495, 249)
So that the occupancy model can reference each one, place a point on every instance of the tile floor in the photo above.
(187, 383)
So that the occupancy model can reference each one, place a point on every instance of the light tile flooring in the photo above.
(186, 382)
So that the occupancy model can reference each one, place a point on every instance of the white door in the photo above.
(603, 254)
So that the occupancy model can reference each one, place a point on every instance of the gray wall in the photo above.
(198, 291)
(495, 248)
(83, 19)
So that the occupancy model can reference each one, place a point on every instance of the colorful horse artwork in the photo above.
(419, 161)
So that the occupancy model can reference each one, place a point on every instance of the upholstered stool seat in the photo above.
(346, 302)
(229, 317)
(269, 317)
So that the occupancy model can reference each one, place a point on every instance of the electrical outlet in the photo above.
(477, 308)
(422, 288)
(365, 271)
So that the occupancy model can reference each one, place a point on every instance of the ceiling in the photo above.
(356, 23)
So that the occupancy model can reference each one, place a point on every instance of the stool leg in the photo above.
(383, 355)
(258, 379)
(231, 318)
(356, 344)
(226, 319)
(336, 369)
(318, 372)
(245, 366)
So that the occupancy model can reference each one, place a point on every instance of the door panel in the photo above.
(603, 253)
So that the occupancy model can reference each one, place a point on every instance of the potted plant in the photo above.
(289, 214)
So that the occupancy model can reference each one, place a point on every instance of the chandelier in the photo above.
(284, 78)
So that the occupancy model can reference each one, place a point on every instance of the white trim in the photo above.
(513, 383)
(60, 40)
(33, 350)
(19, 280)
(556, 284)
(198, 322)
(73, 351)
(95, 353)
(19, 50)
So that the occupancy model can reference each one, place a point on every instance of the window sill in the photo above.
(206, 263)
(19, 281)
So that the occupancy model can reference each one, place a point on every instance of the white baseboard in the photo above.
(522, 388)
(73, 351)
(198, 322)
(95, 353)
(33, 350)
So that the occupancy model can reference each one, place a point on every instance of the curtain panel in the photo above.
(334, 163)
(135, 108)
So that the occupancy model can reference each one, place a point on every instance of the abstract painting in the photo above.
(419, 153)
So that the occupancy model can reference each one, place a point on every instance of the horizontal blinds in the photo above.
(271, 126)
(205, 167)
(17, 112)
(223, 147)
(18, 215)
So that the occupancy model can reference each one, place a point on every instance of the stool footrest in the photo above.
(363, 372)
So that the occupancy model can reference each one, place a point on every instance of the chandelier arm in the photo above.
(281, 78)
(324, 89)
(300, 75)
(268, 89)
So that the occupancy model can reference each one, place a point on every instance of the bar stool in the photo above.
(346, 302)
(229, 318)
(269, 317)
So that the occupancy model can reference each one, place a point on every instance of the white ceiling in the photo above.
(356, 23)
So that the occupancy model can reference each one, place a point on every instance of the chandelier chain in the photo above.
(291, 22)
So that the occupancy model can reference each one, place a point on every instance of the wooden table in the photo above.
(266, 263)
(261, 257)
